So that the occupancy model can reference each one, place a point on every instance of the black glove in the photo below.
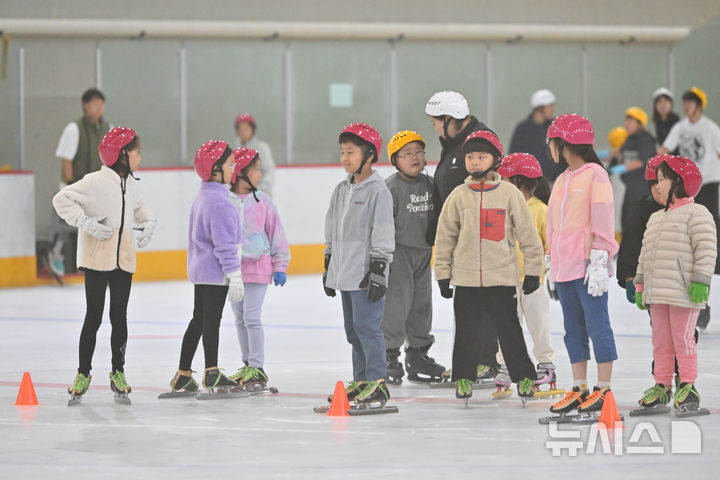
(445, 289)
(375, 278)
(328, 291)
(530, 284)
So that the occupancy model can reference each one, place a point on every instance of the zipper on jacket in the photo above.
(342, 226)
(562, 218)
(123, 184)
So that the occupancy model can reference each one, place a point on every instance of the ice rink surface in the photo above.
(433, 435)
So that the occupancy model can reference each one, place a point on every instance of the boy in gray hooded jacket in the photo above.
(360, 238)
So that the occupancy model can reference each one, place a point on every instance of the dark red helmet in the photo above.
(652, 164)
(243, 157)
(113, 142)
(367, 133)
(244, 117)
(572, 128)
(206, 156)
(485, 135)
(687, 170)
(520, 164)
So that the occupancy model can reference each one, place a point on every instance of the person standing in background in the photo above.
(663, 116)
(529, 135)
(245, 127)
(639, 147)
(78, 154)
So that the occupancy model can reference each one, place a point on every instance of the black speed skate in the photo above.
(120, 388)
(352, 390)
(394, 368)
(564, 408)
(219, 386)
(421, 367)
(182, 385)
(654, 401)
(372, 400)
(687, 402)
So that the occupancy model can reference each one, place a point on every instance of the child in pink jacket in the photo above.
(581, 245)
(265, 258)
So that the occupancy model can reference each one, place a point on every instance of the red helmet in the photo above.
(367, 133)
(206, 156)
(688, 171)
(572, 128)
(244, 117)
(243, 157)
(113, 142)
(652, 164)
(520, 164)
(485, 135)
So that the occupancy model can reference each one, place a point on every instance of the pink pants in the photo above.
(673, 336)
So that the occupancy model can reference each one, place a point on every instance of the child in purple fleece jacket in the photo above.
(265, 258)
(214, 252)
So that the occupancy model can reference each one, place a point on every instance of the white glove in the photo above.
(146, 230)
(236, 289)
(552, 291)
(93, 226)
(596, 275)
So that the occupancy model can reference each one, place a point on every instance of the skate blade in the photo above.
(365, 409)
(643, 411)
(393, 381)
(222, 395)
(691, 412)
(502, 394)
(178, 394)
(262, 391)
(322, 409)
(423, 380)
(549, 393)
(442, 384)
(74, 400)
(589, 418)
(557, 418)
(122, 399)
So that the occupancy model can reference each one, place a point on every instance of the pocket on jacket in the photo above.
(492, 226)
(683, 273)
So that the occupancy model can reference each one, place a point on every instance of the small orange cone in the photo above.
(26, 395)
(609, 413)
(340, 403)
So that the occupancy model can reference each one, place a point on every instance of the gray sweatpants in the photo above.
(248, 321)
(408, 300)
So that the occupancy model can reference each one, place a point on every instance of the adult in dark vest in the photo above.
(78, 154)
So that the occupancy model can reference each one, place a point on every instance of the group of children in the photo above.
(496, 234)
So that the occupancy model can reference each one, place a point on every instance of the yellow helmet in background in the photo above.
(638, 114)
(617, 137)
(402, 138)
(701, 95)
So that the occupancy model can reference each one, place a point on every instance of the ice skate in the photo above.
(421, 367)
(352, 390)
(463, 390)
(394, 368)
(564, 408)
(219, 386)
(120, 388)
(372, 400)
(445, 380)
(182, 385)
(589, 411)
(254, 381)
(687, 402)
(80, 386)
(526, 389)
(546, 376)
(654, 401)
(503, 384)
(485, 376)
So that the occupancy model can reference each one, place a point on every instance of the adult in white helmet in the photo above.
(529, 135)
(663, 116)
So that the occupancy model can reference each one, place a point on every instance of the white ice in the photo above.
(433, 435)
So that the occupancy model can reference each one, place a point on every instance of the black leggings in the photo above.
(708, 197)
(96, 284)
(207, 313)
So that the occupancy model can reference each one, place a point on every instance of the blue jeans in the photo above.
(362, 329)
(586, 317)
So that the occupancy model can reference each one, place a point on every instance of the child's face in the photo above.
(438, 126)
(632, 126)
(227, 170)
(553, 149)
(690, 107)
(478, 161)
(254, 173)
(663, 188)
(411, 159)
(245, 131)
(663, 105)
(351, 157)
(134, 158)
(656, 193)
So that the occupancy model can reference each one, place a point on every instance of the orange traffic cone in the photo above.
(340, 403)
(609, 413)
(26, 395)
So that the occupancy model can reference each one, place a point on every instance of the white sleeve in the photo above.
(671, 141)
(715, 135)
(68, 144)
(267, 167)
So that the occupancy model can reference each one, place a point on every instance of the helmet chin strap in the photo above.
(671, 192)
(446, 122)
(252, 187)
(365, 159)
(480, 175)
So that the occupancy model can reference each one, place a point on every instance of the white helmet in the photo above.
(542, 98)
(447, 103)
(663, 91)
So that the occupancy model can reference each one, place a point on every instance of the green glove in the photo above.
(698, 292)
(638, 300)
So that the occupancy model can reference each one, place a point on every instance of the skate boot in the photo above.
(654, 401)
(394, 368)
(255, 379)
(703, 318)
(214, 379)
(463, 390)
(421, 367)
(182, 385)
(687, 402)
(486, 376)
(79, 387)
(526, 389)
(352, 390)
(374, 393)
(237, 376)
(546, 376)
(503, 383)
(589, 410)
(119, 386)
(571, 401)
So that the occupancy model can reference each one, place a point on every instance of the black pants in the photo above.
(205, 323)
(96, 283)
(477, 311)
(708, 197)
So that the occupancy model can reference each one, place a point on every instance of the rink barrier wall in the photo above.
(17, 229)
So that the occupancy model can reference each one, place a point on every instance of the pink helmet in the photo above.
(688, 171)
(520, 164)
(652, 164)
(572, 128)
(206, 156)
(243, 157)
(113, 142)
(244, 117)
(485, 135)
(367, 133)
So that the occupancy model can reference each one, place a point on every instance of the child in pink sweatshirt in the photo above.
(265, 258)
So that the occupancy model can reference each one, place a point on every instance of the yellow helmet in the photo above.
(638, 114)
(402, 138)
(701, 95)
(617, 137)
